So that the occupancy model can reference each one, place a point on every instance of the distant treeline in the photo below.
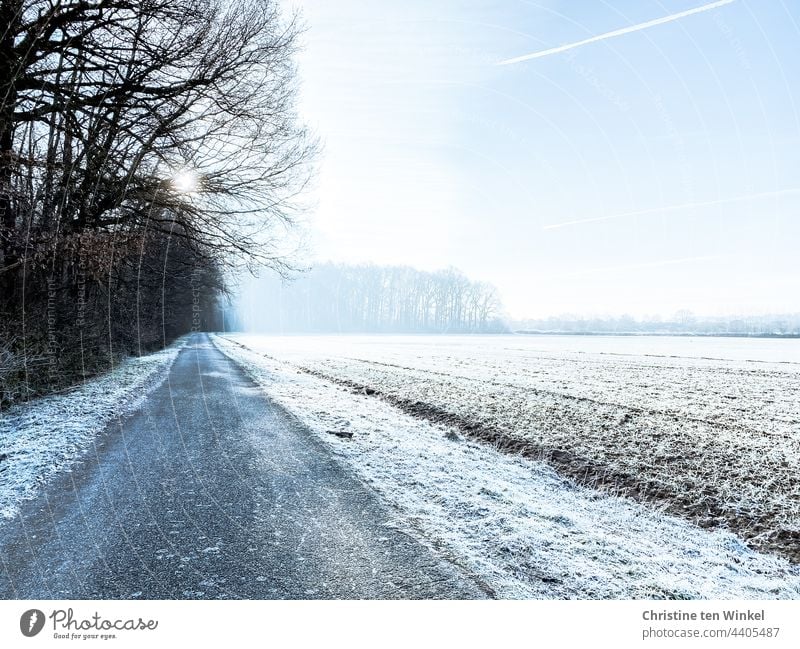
(683, 322)
(343, 298)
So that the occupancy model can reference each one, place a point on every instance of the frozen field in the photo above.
(405, 413)
(705, 428)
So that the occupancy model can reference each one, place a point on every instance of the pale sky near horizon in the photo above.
(642, 173)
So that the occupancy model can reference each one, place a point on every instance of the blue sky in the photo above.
(678, 146)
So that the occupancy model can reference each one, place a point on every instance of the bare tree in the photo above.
(107, 100)
(136, 138)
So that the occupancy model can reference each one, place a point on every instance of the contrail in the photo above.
(618, 32)
(670, 208)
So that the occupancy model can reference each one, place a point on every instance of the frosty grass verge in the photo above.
(47, 435)
(514, 523)
(710, 436)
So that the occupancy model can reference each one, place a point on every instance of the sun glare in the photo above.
(186, 181)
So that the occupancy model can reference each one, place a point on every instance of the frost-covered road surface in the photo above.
(212, 491)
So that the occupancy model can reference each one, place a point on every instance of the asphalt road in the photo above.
(212, 491)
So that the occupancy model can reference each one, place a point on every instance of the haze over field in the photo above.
(644, 172)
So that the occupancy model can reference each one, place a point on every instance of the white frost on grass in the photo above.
(689, 422)
(44, 436)
(513, 523)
